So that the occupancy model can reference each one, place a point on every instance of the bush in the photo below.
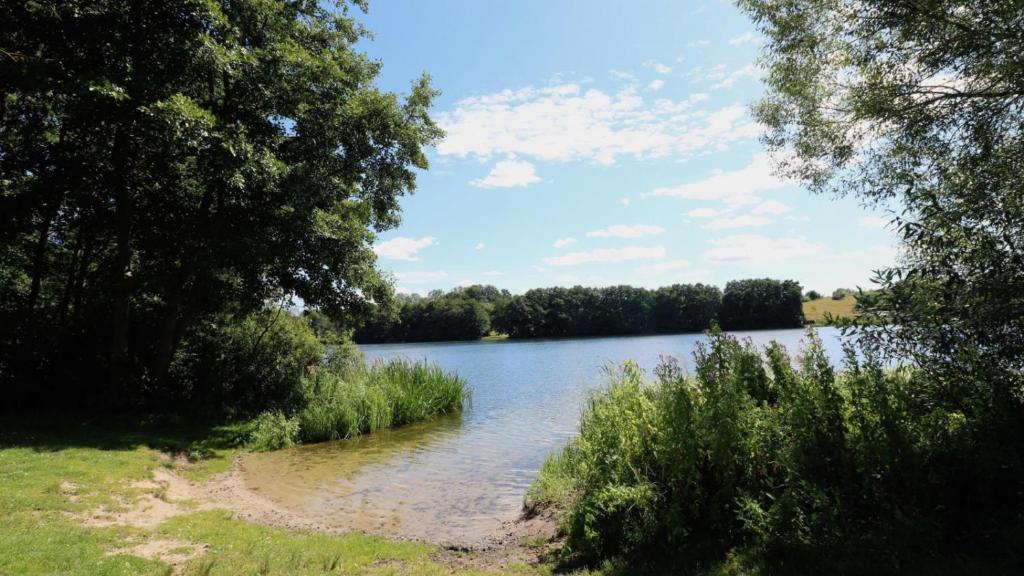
(784, 465)
(272, 431)
(245, 366)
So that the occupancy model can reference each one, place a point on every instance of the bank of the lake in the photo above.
(459, 479)
(129, 498)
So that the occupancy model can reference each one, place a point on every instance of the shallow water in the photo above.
(458, 478)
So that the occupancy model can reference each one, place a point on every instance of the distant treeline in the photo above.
(472, 312)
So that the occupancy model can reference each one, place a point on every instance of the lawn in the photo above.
(815, 311)
(51, 483)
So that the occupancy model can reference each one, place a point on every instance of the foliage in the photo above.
(917, 107)
(165, 163)
(239, 367)
(272, 430)
(381, 395)
(761, 303)
(866, 470)
(471, 312)
(812, 295)
(840, 293)
(452, 316)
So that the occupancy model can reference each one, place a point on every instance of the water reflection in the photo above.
(458, 478)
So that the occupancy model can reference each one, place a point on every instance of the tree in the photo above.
(163, 162)
(761, 303)
(919, 107)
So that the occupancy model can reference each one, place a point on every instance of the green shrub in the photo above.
(246, 365)
(272, 430)
(784, 464)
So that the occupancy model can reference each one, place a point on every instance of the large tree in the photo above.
(162, 161)
(916, 106)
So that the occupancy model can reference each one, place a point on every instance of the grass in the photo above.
(52, 474)
(815, 311)
(385, 394)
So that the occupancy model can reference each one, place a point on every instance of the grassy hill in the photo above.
(815, 310)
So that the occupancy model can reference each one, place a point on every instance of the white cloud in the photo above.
(727, 80)
(403, 248)
(508, 174)
(757, 248)
(748, 38)
(771, 207)
(564, 122)
(744, 221)
(625, 201)
(737, 187)
(874, 221)
(702, 213)
(667, 265)
(563, 242)
(658, 67)
(698, 44)
(625, 254)
(624, 231)
(493, 273)
(656, 85)
(422, 277)
(480, 246)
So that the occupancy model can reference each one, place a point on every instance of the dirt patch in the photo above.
(174, 552)
(69, 490)
(168, 494)
(164, 496)
(526, 540)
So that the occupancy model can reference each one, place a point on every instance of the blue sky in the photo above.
(599, 143)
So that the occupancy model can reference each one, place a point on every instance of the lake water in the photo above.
(459, 478)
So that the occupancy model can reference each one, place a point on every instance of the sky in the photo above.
(601, 143)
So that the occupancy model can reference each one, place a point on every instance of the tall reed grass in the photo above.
(334, 402)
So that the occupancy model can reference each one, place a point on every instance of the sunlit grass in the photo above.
(815, 311)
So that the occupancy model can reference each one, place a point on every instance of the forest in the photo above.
(469, 313)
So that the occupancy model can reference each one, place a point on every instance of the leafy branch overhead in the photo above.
(164, 162)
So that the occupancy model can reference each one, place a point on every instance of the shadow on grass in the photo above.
(195, 439)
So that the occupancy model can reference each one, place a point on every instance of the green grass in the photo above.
(815, 311)
(384, 394)
(52, 474)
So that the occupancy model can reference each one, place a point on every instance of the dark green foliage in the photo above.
(437, 318)
(166, 163)
(239, 367)
(761, 303)
(580, 311)
(812, 295)
(469, 313)
(801, 469)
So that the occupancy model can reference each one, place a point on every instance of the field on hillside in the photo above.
(815, 310)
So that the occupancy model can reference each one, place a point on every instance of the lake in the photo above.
(459, 478)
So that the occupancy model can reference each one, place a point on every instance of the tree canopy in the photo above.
(165, 162)
(469, 313)
(917, 107)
